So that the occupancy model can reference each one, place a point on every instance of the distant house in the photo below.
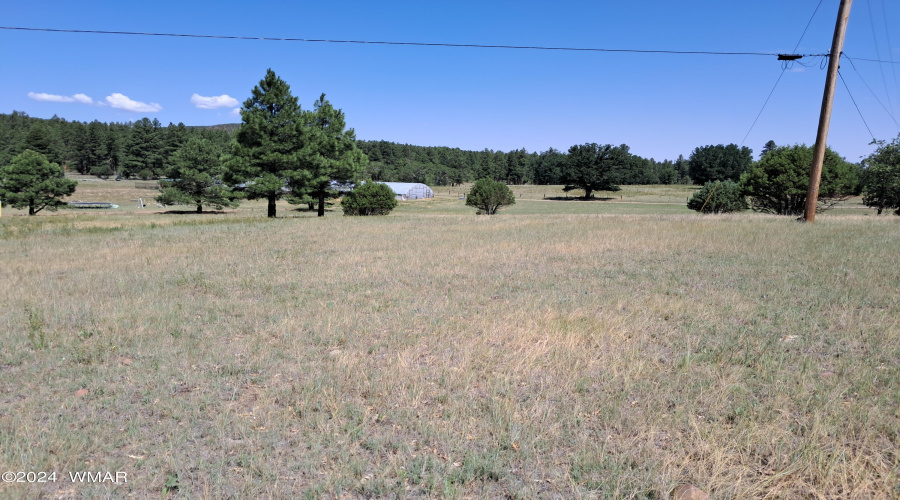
(410, 190)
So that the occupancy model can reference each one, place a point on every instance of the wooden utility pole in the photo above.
(834, 62)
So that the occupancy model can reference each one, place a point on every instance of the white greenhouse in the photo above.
(410, 190)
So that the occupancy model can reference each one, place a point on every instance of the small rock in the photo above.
(335, 352)
(82, 392)
(689, 492)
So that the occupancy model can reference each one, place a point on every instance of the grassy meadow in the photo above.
(562, 349)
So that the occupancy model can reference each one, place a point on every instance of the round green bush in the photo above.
(371, 198)
(488, 196)
(718, 198)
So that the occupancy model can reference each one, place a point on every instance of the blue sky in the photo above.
(660, 105)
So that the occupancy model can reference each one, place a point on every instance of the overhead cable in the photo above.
(763, 106)
(418, 44)
(878, 54)
(871, 91)
(857, 107)
(873, 60)
(784, 68)
(887, 33)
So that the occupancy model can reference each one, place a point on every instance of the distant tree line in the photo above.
(145, 149)
(282, 151)
(195, 161)
(142, 149)
(389, 161)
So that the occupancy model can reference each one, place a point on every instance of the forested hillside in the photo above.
(138, 149)
(142, 150)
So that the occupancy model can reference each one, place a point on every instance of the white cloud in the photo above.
(218, 101)
(121, 101)
(235, 112)
(60, 98)
(50, 97)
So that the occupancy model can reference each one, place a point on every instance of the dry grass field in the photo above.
(558, 350)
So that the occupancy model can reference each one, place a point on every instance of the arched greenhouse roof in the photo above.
(410, 190)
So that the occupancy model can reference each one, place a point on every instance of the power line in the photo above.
(783, 69)
(763, 106)
(807, 25)
(874, 60)
(887, 33)
(878, 54)
(871, 91)
(418, 44)
(857, 107)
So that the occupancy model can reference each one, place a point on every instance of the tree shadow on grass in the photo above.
(311, 211)
(577, 198)
(193, 212)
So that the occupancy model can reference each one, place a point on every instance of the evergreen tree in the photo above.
(112, 147)
(330, 156)
(144, 150)
(517, 167)
(93, 154)
(196, 172)
(175, 136)
(682, 168)
(488, 196)
(38, 140)
(499, 166)
(79, 148)
(548, 167)
(13, 128)
(484, 166)
(718, 163)
(667, 172)
(779, 181)
(881, 177)
(592, 167)
(718, 197)
(32, 181)
(272, 142)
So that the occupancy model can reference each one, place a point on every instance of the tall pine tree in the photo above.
(271, 143)
(331, 156)
(144, 150)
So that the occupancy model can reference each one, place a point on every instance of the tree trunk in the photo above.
(321, 205)
(272, 206)
(199, 208)
(31, 209)
(587, 193)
